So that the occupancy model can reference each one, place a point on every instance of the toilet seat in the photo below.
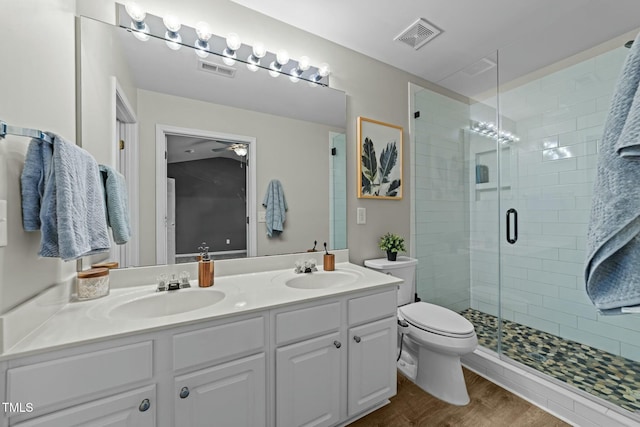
(436, 319)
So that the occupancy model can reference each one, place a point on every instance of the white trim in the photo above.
(161, 184)
(412, 88)
(127, 255)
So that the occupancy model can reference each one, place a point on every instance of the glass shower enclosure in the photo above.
(503, 183)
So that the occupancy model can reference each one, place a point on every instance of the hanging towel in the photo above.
(62, 183)
(612, 270)
(115, 189)
(276, 206)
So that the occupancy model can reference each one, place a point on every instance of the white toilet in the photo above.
(434, 337)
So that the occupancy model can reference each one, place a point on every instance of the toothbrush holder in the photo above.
(329, 262)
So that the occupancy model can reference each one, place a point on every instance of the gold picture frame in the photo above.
(379, 160)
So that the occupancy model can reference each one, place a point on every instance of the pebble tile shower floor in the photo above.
(597, 372)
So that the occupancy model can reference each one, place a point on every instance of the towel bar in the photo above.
(18, 131)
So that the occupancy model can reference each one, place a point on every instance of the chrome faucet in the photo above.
(306, 266)
(173, 284)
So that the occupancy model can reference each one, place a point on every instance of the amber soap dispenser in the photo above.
(205, 267)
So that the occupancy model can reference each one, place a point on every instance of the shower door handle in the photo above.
(512, 213)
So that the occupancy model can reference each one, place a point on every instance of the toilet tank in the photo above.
(403, 268)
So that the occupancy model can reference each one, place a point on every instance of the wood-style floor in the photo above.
(491, 406)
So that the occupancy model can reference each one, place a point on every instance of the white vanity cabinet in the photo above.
(309, 364)
(232, 391)
(334, 359)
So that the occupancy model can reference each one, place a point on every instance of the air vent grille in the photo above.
(218, 69)
(418, 34)
(479, 67)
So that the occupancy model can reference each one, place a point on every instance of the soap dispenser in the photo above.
(205, 267)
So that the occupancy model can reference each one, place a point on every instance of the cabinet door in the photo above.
(308, 382)
(372, 364)
(131, 409)
(230, 394)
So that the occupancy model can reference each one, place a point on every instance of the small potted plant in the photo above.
(392, 244)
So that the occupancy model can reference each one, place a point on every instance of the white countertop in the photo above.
(89, 321)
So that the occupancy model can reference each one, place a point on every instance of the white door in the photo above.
(308, 382)
(231, 394)
(372, 364)
(171, 221)
(131, 409)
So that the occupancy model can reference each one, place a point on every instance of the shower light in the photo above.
(173, 38)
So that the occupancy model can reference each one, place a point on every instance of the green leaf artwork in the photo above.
(375, 180)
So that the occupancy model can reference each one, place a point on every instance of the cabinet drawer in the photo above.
(372, 307)
(218, 342)
(131, 409)
(307, 322)
(60, 380)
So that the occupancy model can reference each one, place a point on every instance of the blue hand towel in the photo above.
(62, 184)
(276, 206)
(115, 188)
(612, 272)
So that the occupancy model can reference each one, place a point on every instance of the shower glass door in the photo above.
(556, 119)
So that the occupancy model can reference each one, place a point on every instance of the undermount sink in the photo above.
(322, 280)
(167, 303)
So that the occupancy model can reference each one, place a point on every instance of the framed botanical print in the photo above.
(379, 160)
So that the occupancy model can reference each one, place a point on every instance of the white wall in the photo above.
(38, 91)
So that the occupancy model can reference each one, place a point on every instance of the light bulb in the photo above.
(202, 48)
(240, 151)
(252, 67)
(140, 31)
(135, 11)
(324, 69)
(233, 41)
(203, 31)
(282, 57)
(304, 63)
(229, 59)
(172, 23)
(259, 51)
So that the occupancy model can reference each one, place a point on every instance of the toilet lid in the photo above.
(439, 320)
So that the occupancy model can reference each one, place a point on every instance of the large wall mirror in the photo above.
(199, 148)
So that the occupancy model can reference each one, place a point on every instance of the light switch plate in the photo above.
(262, 216)
(362, 216)
(3, 223)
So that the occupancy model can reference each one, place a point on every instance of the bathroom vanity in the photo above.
(269, 353)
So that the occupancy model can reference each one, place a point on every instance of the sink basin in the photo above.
(321, 280)
(167, 303)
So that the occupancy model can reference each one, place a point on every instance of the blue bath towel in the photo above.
(61, 183)
(612, 270)
(276, 206)
(115, 188)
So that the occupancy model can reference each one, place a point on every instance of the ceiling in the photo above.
(529, 34)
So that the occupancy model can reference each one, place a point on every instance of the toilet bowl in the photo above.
(433, 338)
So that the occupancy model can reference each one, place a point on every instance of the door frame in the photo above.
(161, 184)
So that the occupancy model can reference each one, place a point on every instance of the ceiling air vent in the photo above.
(479, 67)
(418, 33)
(218, 69)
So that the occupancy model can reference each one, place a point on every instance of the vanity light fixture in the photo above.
(139, 27)
(282, 58)
(303, 65)
(490, 130)
(172, 36)
(203, 32)
(233, 44)
(258, 52)
(229, 50)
